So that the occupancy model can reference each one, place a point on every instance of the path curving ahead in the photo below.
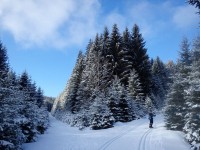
(134, 135)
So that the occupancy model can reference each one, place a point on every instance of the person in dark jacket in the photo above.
(151, 115)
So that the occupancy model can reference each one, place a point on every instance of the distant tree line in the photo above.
(22, 114)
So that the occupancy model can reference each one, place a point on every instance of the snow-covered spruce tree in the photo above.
(118, 102)
(11, 136)
(31, 111)
(176, 107)
(101, 116)
(4, 67)
(185, 54)
(90, 75)
(20, 118)
(159, 81)
(73, 85)
(125, 108)
(149, 104)
(192, 126)
(107, 61)
(113, 98)
(126, 58)
(136, 94)
(39, 97)
(171, 68)
(115, 48)
(141, 59)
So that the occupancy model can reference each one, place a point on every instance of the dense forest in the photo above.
(23, 114)
(182, 110)
(115, 80)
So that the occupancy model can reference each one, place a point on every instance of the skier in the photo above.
(151, 115)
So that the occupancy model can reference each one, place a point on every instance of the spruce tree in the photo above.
(113, 98)
(39, 97)
(4, 67)
(185, 56)
(21, 120)
(125, 111)
(160, 81)
(192, 118)
(126, 58)
(135, 93)
(101, 116)
(115, 48)
(73, 85)
(141, 59)
(107, 60)
(176, 107)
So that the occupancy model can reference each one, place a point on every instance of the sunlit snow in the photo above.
(134, 135)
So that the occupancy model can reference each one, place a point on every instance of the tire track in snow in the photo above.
(143, 140)
(109, 142)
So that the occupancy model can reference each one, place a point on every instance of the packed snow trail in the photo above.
(134, 135)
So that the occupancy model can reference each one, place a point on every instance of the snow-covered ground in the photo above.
(134, 135)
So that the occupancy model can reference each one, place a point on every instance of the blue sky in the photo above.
(44, 37)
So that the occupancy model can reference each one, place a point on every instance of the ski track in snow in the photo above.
(142, 143)
(109, 142)
(133, 135)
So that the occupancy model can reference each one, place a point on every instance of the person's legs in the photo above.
(151, 123)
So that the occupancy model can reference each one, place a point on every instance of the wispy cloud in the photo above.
(185, 17)
(157, 18)
(151, 17)
(43, 22)
(70, 22)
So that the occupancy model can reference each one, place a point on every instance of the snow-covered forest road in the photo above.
(134, 135)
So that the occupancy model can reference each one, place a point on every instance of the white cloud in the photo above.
(152, 18)
(185, 17)
(43, 22)
(115, 18)
(62, 23)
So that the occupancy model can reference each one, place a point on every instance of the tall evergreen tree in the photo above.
(185, 56)
(107, 60)
(21, 120)
(39, 97)
(160, 81)
(113, 98)
(136, 94)
(4, 67)
(141, 59)
(115, 48)
(176, 106)
(101, 116)
(126, 58)
(192, 118)
(73, 85)
(125, 111)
